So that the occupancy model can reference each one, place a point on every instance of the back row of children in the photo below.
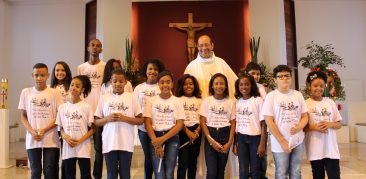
(172, 126)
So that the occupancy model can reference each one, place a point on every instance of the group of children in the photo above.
(101, 102)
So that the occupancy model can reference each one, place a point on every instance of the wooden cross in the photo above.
(3, 96)
(190, 28)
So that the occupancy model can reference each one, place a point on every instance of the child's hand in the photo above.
(285, 147)
(324, 126)
(192, 136)
(295, 129)
(40, 133)
(159, 152)
(261, 150)
(317, 128)
(235, 150)
(157, 142)
(72, 142)
(225, 148)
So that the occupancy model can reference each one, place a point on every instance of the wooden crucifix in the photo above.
(191, 28)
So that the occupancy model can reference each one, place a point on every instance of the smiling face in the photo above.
(205, 46)
(244, 87)
(76, 88)
(60, 73)
(219, 86)
(188, 87)
(152, 72)
(118, 82)
(40, 76)
(165, 84)
(316, 88)
(256, 74)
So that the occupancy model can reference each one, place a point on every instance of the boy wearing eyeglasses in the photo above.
(285, 113)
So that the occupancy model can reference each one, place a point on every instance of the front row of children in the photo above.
(174, 126)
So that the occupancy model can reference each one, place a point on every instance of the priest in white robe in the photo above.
(203, 68)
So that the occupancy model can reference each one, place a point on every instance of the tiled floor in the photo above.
(353, 162)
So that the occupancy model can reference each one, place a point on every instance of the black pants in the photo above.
(70, 168)
(216, 161)
(98, 147)
(330, 165)
(187, 156)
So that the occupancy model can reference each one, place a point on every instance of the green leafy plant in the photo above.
(130, 64)
(266, 77)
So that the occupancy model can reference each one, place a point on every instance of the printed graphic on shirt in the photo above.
(289, 112)
(219, 111)
(73, 122)
(163, 109)
(94, 78)
(40, 102)
(320, 114)
(192, 107)
(243, 116)
(149, 93)
(115, 106)
(40, 108)
(164, 115)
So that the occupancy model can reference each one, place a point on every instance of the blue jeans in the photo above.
(289, 165)
(70, 168)
(171, 147)
(98, 148)
(118, 162)
(263, 161)
(50, 162)
(145, 143)
(216, 161)
(247, 155)
(187, 156)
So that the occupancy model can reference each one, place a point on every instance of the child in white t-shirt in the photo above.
(189, 92)
(251, 130)
(144, 92)
(218, 124)
(164, 116)
(61, 78)
(38, 106)
(321, 139)
(285, 113)
(111, 65)
(94, 69)
(74, 118)
(118, 112)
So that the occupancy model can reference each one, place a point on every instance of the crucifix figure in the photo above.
(191, 28)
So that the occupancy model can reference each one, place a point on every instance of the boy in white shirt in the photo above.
(285, 113)
(94, 69)
(38, 106)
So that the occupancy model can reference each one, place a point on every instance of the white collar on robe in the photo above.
(206, 60)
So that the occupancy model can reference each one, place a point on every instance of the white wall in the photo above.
(343, 24)
(267, 20)
(3, 7)
(40, 31)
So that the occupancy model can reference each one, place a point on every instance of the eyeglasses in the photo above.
(204, 45)
(282, 77)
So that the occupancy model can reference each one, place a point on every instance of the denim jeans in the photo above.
(70, 168)
(145, 143)
(216, 161)
(247, 154)
(171, 147)
(330, 165)
(263, 161)
(50, 162)
(98, 148)
(187, 156)
(118, 162)
(289, 165)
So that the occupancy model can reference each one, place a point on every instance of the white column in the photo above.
(4, 138)
(3, 6)
(267, 20)
(113, 26)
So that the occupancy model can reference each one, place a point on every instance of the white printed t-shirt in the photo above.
(248, 116)
(322, 145)
(164, 112)
(144, 92)
(262, 90)
(286, 109)
(75, 119)
(109, 89)
(95, 74)
(118, 135)
(41, 108)
(218, 113)
(191, 108)
(61, 89)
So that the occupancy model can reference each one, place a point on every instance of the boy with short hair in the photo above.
(94, 69)
(38, 106)
(285, 113)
